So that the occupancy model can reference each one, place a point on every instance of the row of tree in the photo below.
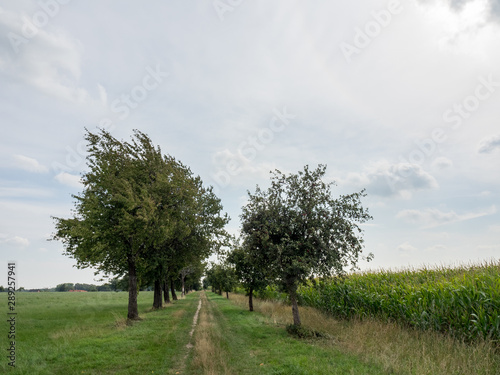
(293, 231)
(143, 215)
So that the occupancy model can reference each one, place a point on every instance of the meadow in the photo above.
(87, 333)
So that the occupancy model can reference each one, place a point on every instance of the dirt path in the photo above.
(208, 354)
(195, 322)
(189, 345)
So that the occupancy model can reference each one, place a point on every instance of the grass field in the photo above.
(86, 333)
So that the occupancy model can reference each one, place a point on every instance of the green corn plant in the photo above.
(463, 301)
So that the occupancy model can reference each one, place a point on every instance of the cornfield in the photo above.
(463, 302)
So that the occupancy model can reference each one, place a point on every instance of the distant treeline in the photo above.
(66, 287)
(115, 285)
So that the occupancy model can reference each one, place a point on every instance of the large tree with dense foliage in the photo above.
(114, 215)
(296, 229)
(130, 208)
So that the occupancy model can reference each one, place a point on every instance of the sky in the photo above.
(398, 97)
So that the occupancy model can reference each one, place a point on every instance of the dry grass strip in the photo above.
(208, 342)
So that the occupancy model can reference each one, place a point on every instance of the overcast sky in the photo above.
(400, 98)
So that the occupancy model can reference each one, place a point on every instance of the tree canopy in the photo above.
(135, 206)
(296, 229)
(248, 272)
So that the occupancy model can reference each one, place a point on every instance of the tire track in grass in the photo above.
(189, 345)
(195, 321)
(209, 355)
(181, 364)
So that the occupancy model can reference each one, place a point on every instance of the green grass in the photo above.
(86, 333)
(463, 301)
(75, 333)
(252, 346)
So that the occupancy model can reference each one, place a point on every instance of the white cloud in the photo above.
(43, 57)
(442, 163)
(494, 228)
(8, 192)
(393, 180)
(103, 95)
(487, 145)
(493, 250)
(476, 9)
(432, 217)
(69, 179)
(29, 164)
(233, 168)
(406, 248)
(437, 248)
(16, 241)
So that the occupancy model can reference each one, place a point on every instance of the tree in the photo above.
(116, 218)
(64, 287)
(247, 271)
(228, 279)
(119, 284)
(104, 288)
(296, 229)
(214, 277)
(141, 215)
(196, 223)
(222, 278)
(176, 190)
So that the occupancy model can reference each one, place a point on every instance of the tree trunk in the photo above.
(172, 289)
(250, 300)
(292, 292)
(227, 294)
(166, 293)
(183, 290)
(133, 313)
(157, 301)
